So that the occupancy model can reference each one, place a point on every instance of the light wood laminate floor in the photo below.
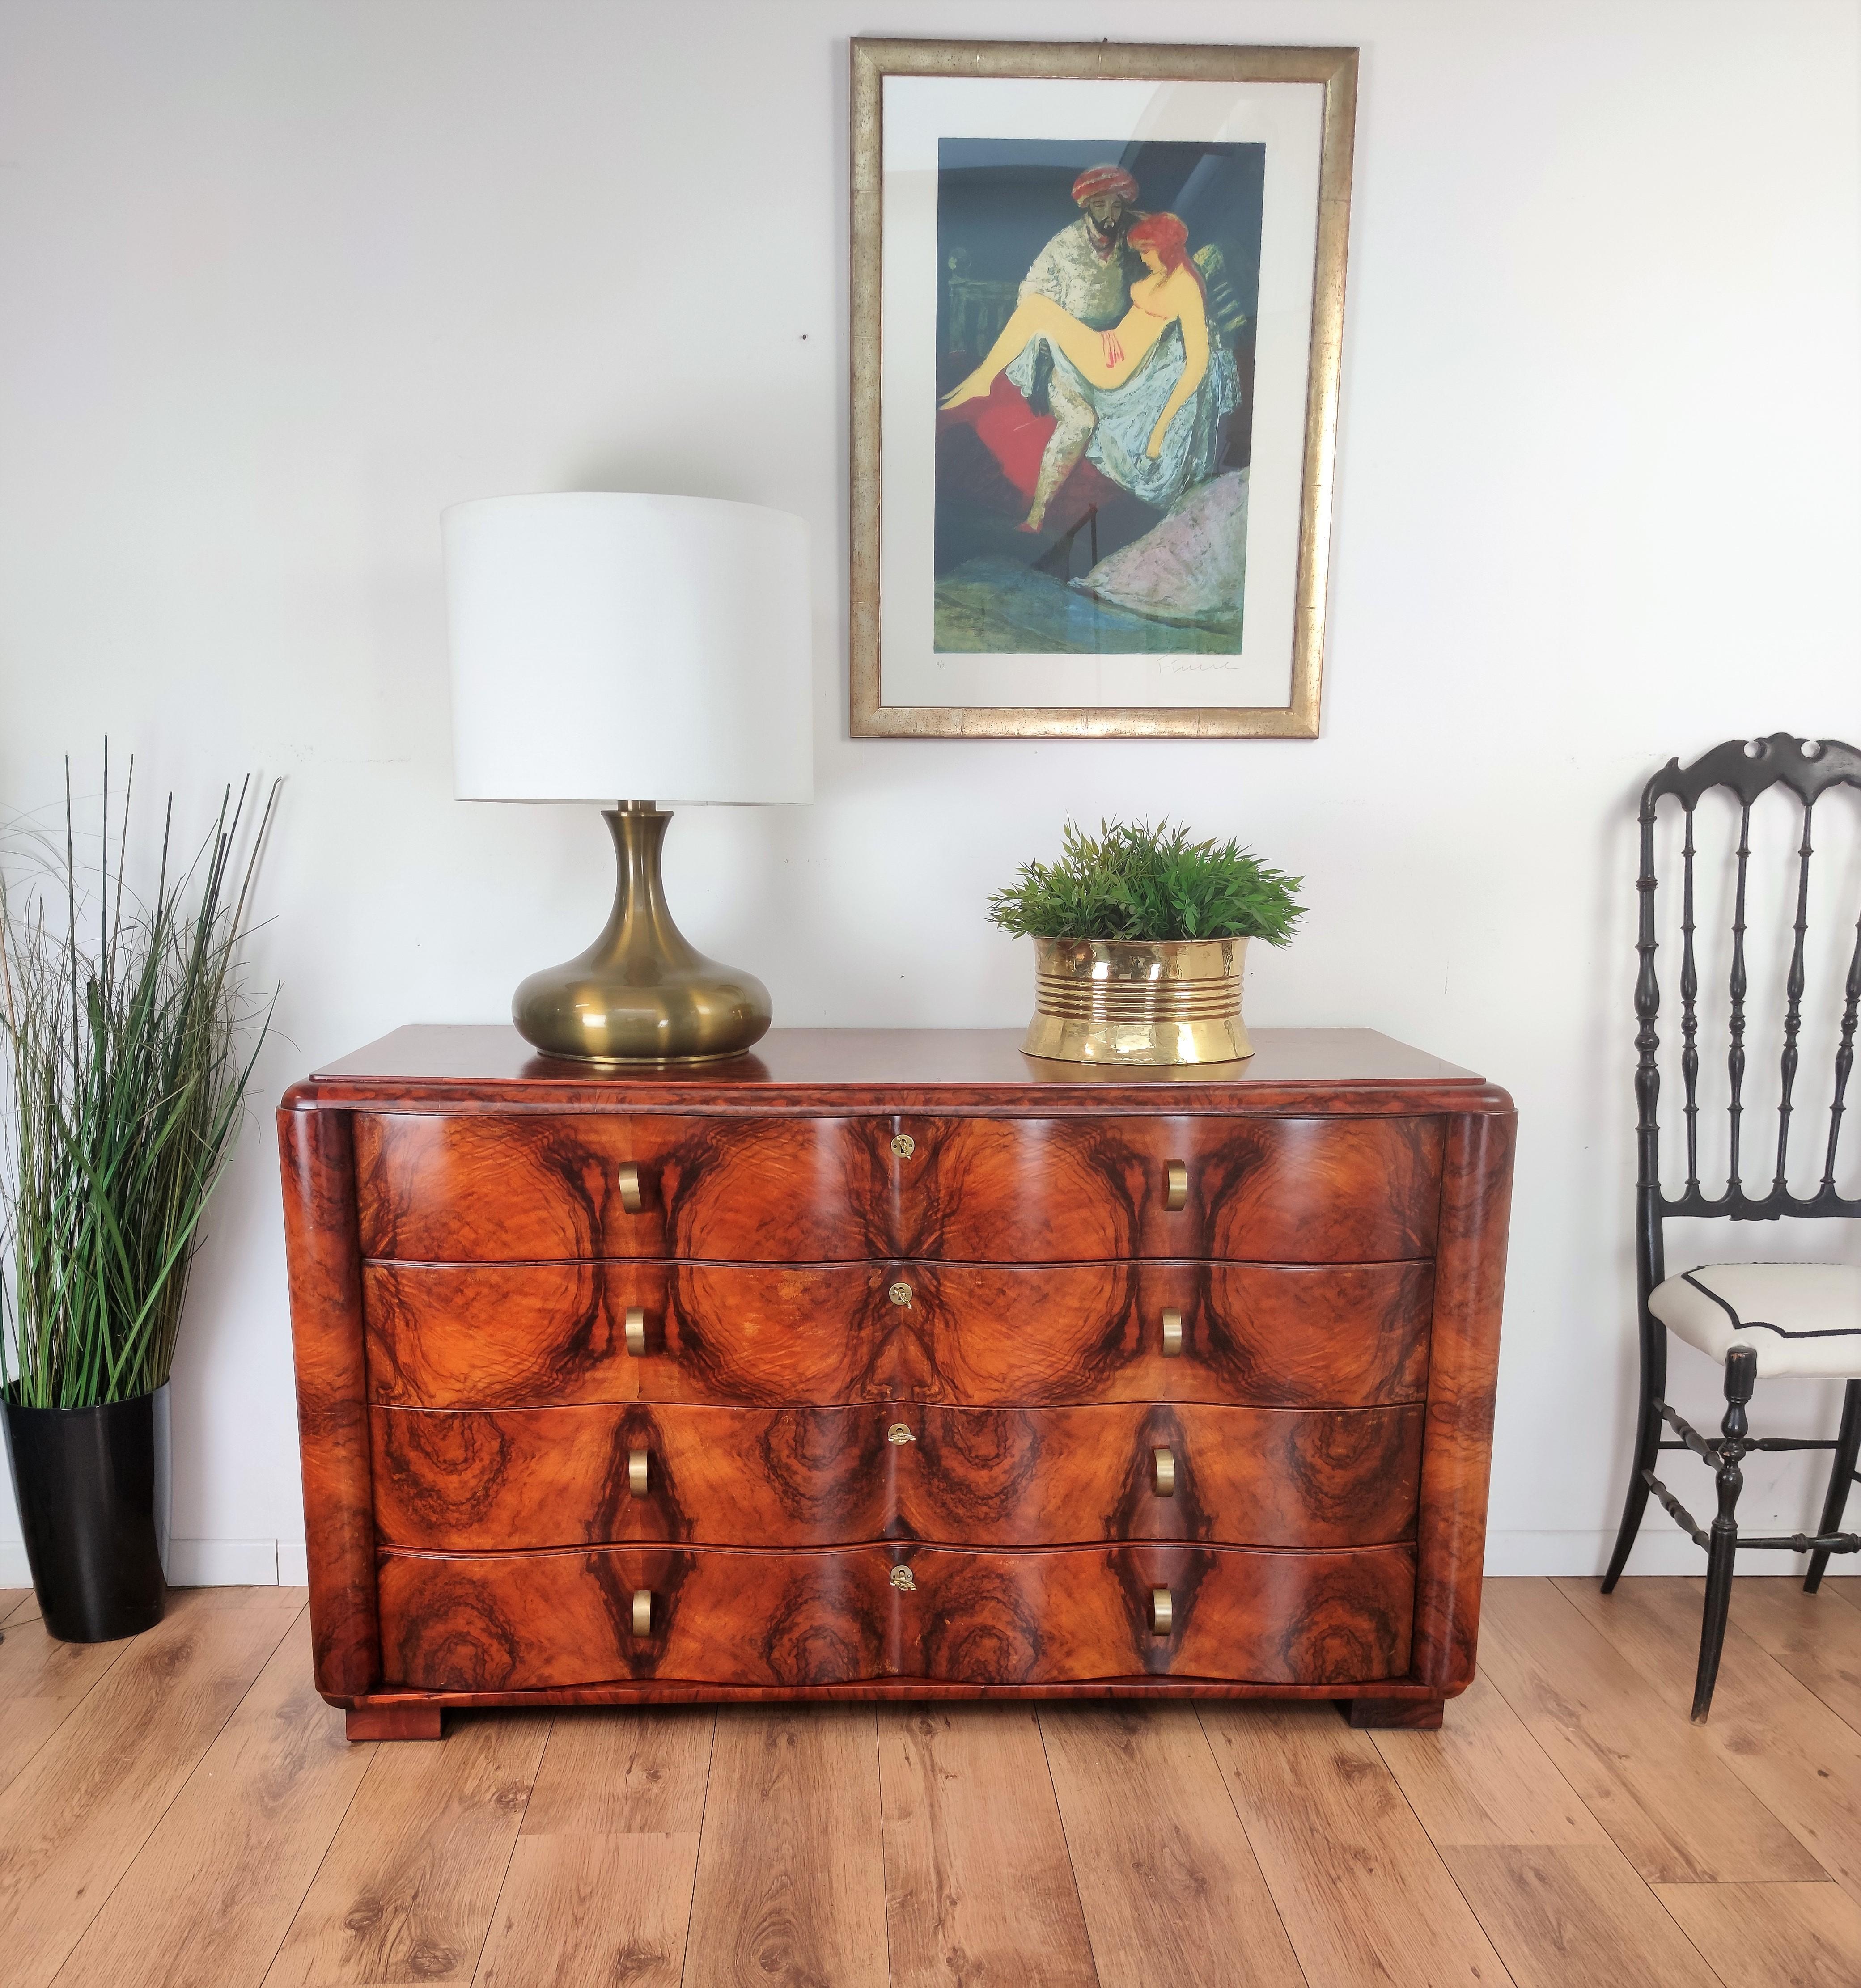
(182, 1809)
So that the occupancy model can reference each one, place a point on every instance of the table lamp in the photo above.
(607, 646)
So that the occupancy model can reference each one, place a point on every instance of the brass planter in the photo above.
(1124, 1001)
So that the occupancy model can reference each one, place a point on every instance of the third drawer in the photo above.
(515, 1480)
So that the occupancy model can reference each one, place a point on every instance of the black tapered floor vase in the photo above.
(85, 1478)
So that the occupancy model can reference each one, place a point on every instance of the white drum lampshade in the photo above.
(623, 651)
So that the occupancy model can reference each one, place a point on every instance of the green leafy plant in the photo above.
(1134, 881)
(131, 1039)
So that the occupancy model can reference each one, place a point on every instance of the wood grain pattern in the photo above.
(791, 1884)
(406, 1890)
(589, 1911)
(213, 1891)
(1484, 1780)
(1573, 1913)
(1801, 1935)
(623, 1773)
(77, 1815)
(1819, 1646)
(477, 1189)
(519, 1479)
(41, 1680)
(537, 1621)
(1171, 1892)
(979, 1888)
(1799, 1759)
(316, 1157)
(1676, 1811)
(1462, 1385)
(1276, 1335)
(1362, 1893)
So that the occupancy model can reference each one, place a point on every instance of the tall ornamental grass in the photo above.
(130, 1037)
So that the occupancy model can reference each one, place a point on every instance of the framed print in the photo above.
(1097, 314)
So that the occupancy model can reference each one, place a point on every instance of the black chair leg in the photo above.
(1647, 1446)
(1722, 1547)
(1848, 1447)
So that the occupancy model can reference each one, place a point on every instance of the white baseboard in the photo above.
(1659, 1550)
(198, 1564)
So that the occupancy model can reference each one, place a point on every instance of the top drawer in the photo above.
(484, 1188)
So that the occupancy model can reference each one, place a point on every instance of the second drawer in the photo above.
(508, 1480)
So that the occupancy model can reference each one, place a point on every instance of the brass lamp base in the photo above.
(641, 992)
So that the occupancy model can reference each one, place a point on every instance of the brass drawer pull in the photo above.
(630, 1188)
(1161, 1612)
(1172, 1335)
(1175, 1186)
(642, 1611)
(636, 1470)
(636, 1332)
(899, 1433)
(1163, 1467)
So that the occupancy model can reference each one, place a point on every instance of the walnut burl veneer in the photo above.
(893, 1364)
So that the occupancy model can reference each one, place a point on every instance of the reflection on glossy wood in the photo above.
(519, 1479)
(1280, 1335)
(479, 1189)
(535, 1621)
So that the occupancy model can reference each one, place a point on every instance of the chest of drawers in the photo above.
(893, 1364)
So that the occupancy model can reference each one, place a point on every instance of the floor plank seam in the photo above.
(1510, 1979)
(1253, 1848)
(510, 1856)
(297, 1910)
(1724, 1754)
(1072, 1869)
(704, 1816)
(212, 1739)
(879, 1763)
(77, 1704)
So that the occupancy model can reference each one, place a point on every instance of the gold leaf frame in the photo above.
(1336, 69)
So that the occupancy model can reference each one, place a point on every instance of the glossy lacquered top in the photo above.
(451, 1065)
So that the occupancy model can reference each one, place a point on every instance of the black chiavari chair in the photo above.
(1762, 1320)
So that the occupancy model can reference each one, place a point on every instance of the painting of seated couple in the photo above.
(1095, 368)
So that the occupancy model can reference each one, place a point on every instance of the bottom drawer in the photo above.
(535, 1621)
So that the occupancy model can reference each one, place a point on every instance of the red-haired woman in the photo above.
(1138, 352)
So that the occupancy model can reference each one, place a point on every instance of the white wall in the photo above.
(280, 282)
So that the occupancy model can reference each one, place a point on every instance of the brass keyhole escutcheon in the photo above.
(899, 1433)
(900, 1294)
(903, 1145)
(901, 1579)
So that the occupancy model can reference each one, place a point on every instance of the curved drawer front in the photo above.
(487, 1188)
(575, 1186)
(1274, 1334)
(527, 1622)
(521, 1479)
(1252, 1190)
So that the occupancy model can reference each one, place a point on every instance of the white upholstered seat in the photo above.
(1797, 1318)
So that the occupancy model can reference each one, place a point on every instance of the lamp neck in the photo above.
(641, 926)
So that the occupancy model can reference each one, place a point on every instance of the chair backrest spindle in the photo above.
(1748, 768)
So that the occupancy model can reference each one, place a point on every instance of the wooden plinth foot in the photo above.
(1417, 1715)
(393, 1722)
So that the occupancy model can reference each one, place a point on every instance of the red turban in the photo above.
(1097, 180)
